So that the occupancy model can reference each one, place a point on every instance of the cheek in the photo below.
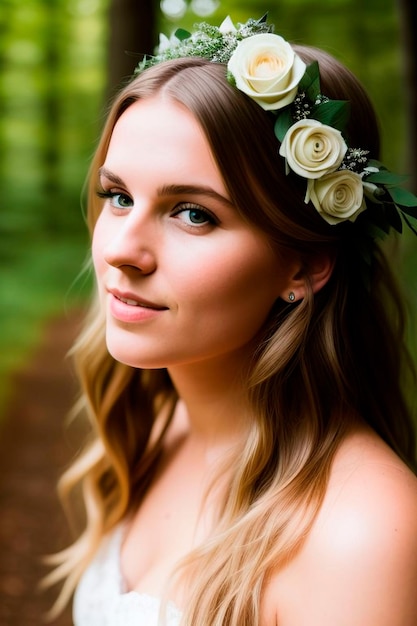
(237, 284)
(97, 248)
(96, 252)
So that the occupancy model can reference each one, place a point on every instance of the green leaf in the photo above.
(385, 177)
(182, 34)
(378, 219)
(394, 217)
(263, 19)
(230, 78)
(141, 65)
(377, 164)
(409, 224)
(310, 82)
(283, 123)
(403, 197)
(409, 210)
(333, 113)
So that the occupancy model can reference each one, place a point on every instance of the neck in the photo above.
(214, 400)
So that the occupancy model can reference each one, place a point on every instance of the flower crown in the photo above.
(342, 182)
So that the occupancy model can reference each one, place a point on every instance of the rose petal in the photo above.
(313, 149)
(337, 196)
(266, 68)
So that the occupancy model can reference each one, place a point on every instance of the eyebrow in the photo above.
(172, 190)
(103, 171)
(179, 190)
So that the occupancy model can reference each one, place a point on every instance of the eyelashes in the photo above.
(191, 214)
(194, 214)
(118, 200)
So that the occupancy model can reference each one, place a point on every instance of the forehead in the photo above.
(162, 134)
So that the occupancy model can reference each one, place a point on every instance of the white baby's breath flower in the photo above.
(312, 149)
(337, 196)
(266, 68)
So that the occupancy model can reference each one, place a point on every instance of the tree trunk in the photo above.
(132, 34)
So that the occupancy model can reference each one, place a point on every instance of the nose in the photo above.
(130, 243)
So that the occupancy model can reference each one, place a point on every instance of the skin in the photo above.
(213, 277)
(207, 286)
(358, 566)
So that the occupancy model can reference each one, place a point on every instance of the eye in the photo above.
(194, 215)
(118, 200)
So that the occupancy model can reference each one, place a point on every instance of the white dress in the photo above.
(102, 600)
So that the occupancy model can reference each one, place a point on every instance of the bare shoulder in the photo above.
(359, 563)
(368, 484)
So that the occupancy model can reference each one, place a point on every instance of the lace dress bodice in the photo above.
(102, 600)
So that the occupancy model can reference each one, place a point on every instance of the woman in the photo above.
(243, 365)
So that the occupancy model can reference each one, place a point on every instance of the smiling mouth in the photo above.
(139, 303)
(131, 302)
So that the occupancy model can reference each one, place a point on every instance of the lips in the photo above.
(136, 300)
(129, 301)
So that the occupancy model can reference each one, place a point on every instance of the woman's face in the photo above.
(182, 277)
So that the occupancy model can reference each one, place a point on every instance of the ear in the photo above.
(315, 273)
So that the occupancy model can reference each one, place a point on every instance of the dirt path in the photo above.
(34, 449)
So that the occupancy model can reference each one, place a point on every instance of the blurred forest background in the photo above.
(60, 61)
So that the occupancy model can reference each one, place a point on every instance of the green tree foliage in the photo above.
(51, 83)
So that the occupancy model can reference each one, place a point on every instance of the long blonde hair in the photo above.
(320, 364)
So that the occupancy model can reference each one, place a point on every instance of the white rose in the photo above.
(312, 149)
(266, 68)
(337, 196)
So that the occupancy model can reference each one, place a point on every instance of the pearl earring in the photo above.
(291, 296)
